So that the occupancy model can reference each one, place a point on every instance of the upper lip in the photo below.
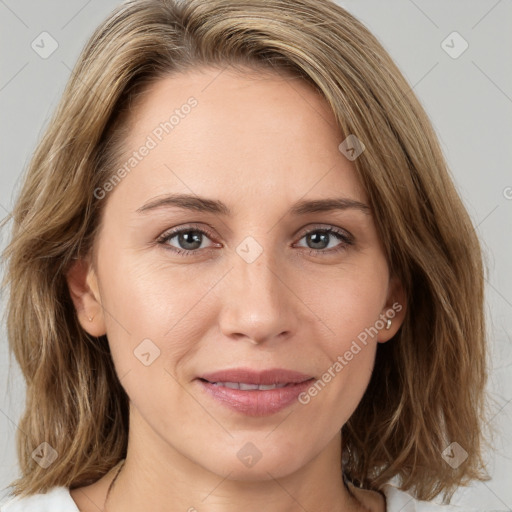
(249, 376)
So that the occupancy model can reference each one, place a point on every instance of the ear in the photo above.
(394, 310)
(83, 288)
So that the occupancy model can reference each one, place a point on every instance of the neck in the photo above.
(158, 477)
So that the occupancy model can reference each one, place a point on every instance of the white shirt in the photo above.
(58, 499)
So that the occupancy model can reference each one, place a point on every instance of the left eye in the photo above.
(324, 236)
(190, 240)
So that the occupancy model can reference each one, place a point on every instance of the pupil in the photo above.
(190, 237)
(319, 237)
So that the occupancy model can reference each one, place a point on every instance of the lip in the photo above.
(255, 402)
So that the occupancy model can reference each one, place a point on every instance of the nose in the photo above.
(257, 302)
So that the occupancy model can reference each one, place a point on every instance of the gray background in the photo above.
(469, 100)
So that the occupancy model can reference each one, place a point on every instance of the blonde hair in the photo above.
(427, 387)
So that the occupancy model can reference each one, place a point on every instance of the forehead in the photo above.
(210, 129)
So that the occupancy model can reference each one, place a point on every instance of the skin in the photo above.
(258, 144)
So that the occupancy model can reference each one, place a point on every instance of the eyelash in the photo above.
(346, 240)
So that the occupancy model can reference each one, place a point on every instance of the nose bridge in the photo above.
(256, 304)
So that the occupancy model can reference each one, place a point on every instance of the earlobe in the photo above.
(394, 312)
(83, 288)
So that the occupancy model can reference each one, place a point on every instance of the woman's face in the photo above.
(244, 286)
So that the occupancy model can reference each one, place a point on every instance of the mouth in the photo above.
(255, 393)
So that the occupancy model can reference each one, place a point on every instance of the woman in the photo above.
(241, 276)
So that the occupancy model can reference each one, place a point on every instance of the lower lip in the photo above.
(256, 402)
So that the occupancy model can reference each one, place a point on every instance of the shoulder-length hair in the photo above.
(428, 385)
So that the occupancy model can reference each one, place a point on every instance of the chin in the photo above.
(252, 464)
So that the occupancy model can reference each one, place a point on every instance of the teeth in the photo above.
(268, 386)
(249, 387)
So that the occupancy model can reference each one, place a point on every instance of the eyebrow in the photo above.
(202, 204)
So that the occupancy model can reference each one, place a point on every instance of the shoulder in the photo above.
(57, 499)
(400, 501)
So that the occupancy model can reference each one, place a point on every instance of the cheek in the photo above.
(348, 313)
(348, 301)
(147, 299)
